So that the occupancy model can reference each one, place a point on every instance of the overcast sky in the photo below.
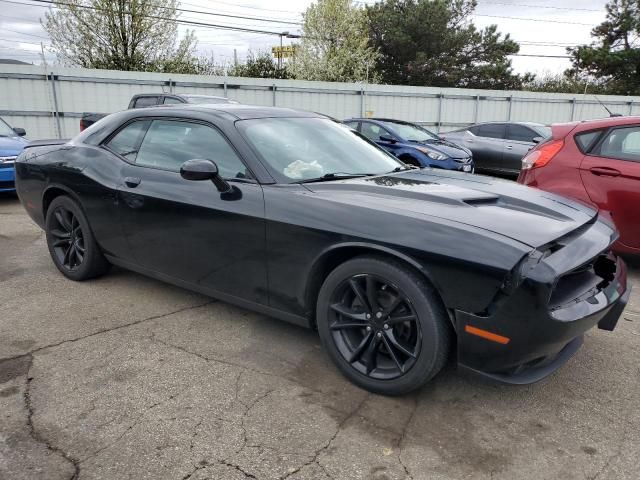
(543, 27)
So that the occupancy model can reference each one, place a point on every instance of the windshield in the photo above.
(304, 148)
(412, 133)
(6, 130)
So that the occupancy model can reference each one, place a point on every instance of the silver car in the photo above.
(498, 147)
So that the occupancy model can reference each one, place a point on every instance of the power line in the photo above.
(156, 17)
(244, 6)
(23, 33)
(182, 10)
(546, 44)
(552, 7)
(524, 19)
(13, 40)
(540, 56)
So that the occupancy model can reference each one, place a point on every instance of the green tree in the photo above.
(335, 44)
(259, 65)
(613, 60)
(559, 83)
(434, 43)
(120, 35)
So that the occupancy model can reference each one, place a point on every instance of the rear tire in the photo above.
(71, 243)
(383, 325)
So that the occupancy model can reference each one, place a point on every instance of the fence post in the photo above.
(573, 109)
(510, 100)
(476, 109)
(439, 122)
(273, 88)
(56, 112)
(225, 88)
(630, 107)
(362, 103)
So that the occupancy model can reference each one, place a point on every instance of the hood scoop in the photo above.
(506, 208)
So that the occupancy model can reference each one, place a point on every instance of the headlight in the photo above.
(432, 154)
(5, 160)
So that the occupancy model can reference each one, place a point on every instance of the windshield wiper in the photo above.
(402, 169)
(334, 176)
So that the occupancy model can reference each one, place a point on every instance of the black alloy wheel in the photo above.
(375, 327)
(383, 324)
(72, 246)
(68, 244)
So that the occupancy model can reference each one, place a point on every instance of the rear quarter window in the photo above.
(141, 102)
(587, 140)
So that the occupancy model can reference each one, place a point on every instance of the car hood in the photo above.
(449, 149)
(529, 216)
(10, 146)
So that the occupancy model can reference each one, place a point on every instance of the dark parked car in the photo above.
(143, 100)
(292, 215)
(11, 144)
(498, 147)
(598, 163)
(413, 144)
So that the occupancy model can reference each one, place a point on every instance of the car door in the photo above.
(374, 132)
(487, 144)
(519, 140)
(611, 176)
(188, 230)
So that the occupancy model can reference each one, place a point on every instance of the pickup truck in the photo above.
(155, 99)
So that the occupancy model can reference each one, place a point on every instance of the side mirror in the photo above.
(21, 132)
(387, 138)
(537, 139)
(198, 169)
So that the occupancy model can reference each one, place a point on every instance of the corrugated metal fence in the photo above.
(48, 102)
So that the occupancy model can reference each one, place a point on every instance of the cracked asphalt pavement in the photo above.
(126, 377)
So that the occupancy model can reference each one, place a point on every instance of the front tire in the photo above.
(383, 325)
(71, 244)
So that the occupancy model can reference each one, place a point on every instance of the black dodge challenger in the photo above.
(296, 216)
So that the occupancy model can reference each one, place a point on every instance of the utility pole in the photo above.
(235, 57)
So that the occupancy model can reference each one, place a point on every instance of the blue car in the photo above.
(11, 144)
(414, 144)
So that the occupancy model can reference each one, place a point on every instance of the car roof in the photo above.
(239, 111)
(194, 95)
(167, 94)
(603, 122)
(379, 119)
(531, 124)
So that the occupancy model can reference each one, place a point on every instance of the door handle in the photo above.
(469, 140)
(605, 171)
(509, 147)
(132, 182)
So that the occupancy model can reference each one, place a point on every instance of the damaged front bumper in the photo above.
(539, 324)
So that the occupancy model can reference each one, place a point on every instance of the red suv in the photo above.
(596, 162)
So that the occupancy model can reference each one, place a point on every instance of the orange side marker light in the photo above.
(494, 337)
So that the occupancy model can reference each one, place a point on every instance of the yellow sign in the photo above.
(284, 52)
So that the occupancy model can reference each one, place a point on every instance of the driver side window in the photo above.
(372, 131)
(170, 143)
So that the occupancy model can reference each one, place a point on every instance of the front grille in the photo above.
(584, 281)
(7, 162)
(462, 160)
